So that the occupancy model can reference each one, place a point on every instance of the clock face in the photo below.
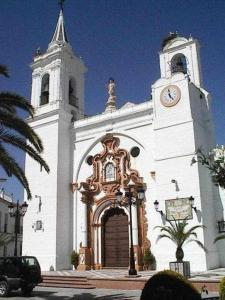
(170, 95)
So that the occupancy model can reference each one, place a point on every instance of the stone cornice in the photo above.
(145, 108)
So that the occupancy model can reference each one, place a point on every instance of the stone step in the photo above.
(73, 278)
(63, 285)
(115, 268)
(67, 281)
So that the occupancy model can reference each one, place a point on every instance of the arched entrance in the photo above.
(115, 238)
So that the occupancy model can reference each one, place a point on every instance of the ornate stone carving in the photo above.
(98, 191)
(119, 159)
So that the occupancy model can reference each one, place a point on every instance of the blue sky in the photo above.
(115, 38)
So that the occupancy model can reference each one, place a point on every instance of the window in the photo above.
(6, 223)
(179, 64)
(29, 261)
(45, 90)
(39, 225)
(109, 172)
(73, 100)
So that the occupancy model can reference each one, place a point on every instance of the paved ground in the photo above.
(43, 293)
(215, 274)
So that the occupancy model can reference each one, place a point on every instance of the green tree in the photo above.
(16, 132)
(215, 162)
(178, 233)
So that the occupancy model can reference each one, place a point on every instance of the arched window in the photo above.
(179, 64)
(45, 90)
(72, 92)
(110, 172)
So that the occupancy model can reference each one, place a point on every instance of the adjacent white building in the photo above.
(7, 228)
(148, 145)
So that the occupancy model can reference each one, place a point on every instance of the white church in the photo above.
(146, 146)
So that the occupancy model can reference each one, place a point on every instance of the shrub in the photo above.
(149, 260)
(75, 259)
(169, 285)
(222, 289)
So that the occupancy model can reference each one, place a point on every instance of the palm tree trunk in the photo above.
(179, 254)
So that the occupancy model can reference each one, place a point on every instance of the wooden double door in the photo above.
(115, 239)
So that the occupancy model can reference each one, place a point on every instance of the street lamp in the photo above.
(17, 211)
(131, 198)
(156, 205)
(192, 200)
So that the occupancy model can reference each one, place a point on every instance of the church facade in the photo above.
(147, 146)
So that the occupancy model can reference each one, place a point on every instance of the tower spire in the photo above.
(59, 36)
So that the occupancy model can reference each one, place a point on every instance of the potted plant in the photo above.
(149, 260)
(178, 233)
(75, 259)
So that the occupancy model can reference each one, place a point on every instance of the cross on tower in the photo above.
(61, 4)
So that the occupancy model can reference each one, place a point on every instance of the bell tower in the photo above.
(182, 124)
(58, 98)
(58, 76)
(180, 54)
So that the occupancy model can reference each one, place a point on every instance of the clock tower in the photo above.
(182, 124)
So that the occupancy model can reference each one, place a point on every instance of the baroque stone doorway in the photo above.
(115, 237)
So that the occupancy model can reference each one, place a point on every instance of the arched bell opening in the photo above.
(44, 99)
(179, 64)
(73, 100)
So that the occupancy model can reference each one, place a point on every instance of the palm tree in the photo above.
(15, 131)
(178, 234)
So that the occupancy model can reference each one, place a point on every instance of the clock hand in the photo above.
(170, 94)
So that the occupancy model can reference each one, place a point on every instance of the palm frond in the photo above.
(10, 100)
(193, 228)
(199, 244)
(218, 238)
(178, 233)
(12, 168)
(4, 71)
(160, 236)
(15, 123)
(21, 143)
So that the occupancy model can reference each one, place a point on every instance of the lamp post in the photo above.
(192, 200)
(17, 211)
(156, 205)
(130, 199)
